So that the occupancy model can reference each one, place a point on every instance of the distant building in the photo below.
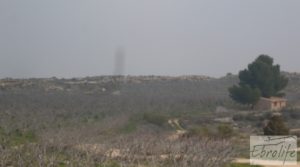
(272, 103)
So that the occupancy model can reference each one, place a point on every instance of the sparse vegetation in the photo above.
(243, 165)
(78, 123)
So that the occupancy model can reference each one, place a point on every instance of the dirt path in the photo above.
(247, 161)
(179, 130)
(295, 130)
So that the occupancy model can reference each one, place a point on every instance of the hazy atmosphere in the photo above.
(73, 38)
(149, 83)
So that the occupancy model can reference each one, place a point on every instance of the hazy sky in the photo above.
(73, 38)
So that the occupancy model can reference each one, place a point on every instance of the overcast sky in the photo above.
(76, 38)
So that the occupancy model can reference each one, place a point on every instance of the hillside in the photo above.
(76, 116)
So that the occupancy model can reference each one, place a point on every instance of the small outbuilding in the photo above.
(272, 103)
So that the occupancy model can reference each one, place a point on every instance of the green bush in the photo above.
(276, 126)
(225, 130)
(129, 127)
(155, 118)
(199, 131)
(20, 137)
(16, 137)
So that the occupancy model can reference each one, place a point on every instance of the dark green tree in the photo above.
(261, 78)
(244, 94)
(276, 126)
